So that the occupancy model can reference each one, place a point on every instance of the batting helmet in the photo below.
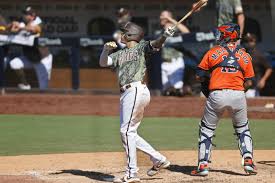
(228, 32)
(132, 32)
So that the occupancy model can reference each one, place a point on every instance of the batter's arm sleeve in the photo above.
(114, 60)
(105, 60)
(150, 49)
(147, 48)
(158, 43)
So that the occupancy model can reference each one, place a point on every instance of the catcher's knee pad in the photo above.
(244, 140)
(205, 142)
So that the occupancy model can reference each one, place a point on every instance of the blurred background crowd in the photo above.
(71, 34)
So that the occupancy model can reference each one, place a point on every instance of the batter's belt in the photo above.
(127, 86)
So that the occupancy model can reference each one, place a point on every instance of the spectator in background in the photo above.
(172, 67)
(262, 66)
(35, 56)
(230, 11)
(123, 16)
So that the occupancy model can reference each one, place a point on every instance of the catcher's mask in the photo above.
(228, 32)
(132, 32)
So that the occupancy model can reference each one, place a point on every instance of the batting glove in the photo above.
(110, 45)
(169, 32)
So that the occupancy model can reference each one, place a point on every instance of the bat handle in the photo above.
(175, 26)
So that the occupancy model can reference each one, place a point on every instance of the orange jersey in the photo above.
(224, 77)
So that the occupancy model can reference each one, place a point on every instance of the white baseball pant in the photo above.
(132, 104)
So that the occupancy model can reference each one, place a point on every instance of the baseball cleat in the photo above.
(157, 167)
(127, 179)
(249, 166)
(202, 170)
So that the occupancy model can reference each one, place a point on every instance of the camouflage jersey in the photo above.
(227, 9)
(129, 63)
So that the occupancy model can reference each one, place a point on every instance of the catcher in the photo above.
(231, 72)
(129, 64)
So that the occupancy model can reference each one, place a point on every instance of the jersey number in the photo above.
(229, 70)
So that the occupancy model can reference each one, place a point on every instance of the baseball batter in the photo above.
(129, 64)
(231, 74)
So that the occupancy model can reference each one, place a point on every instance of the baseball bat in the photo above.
(197, 6)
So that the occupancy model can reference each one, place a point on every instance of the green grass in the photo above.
(26, 134)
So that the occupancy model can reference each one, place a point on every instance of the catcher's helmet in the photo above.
(132, 32)
(228, 32)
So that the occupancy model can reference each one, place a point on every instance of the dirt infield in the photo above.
(108, 105)
(103, 167)
(19, 178)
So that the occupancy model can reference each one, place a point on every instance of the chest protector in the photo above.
(229, 61)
